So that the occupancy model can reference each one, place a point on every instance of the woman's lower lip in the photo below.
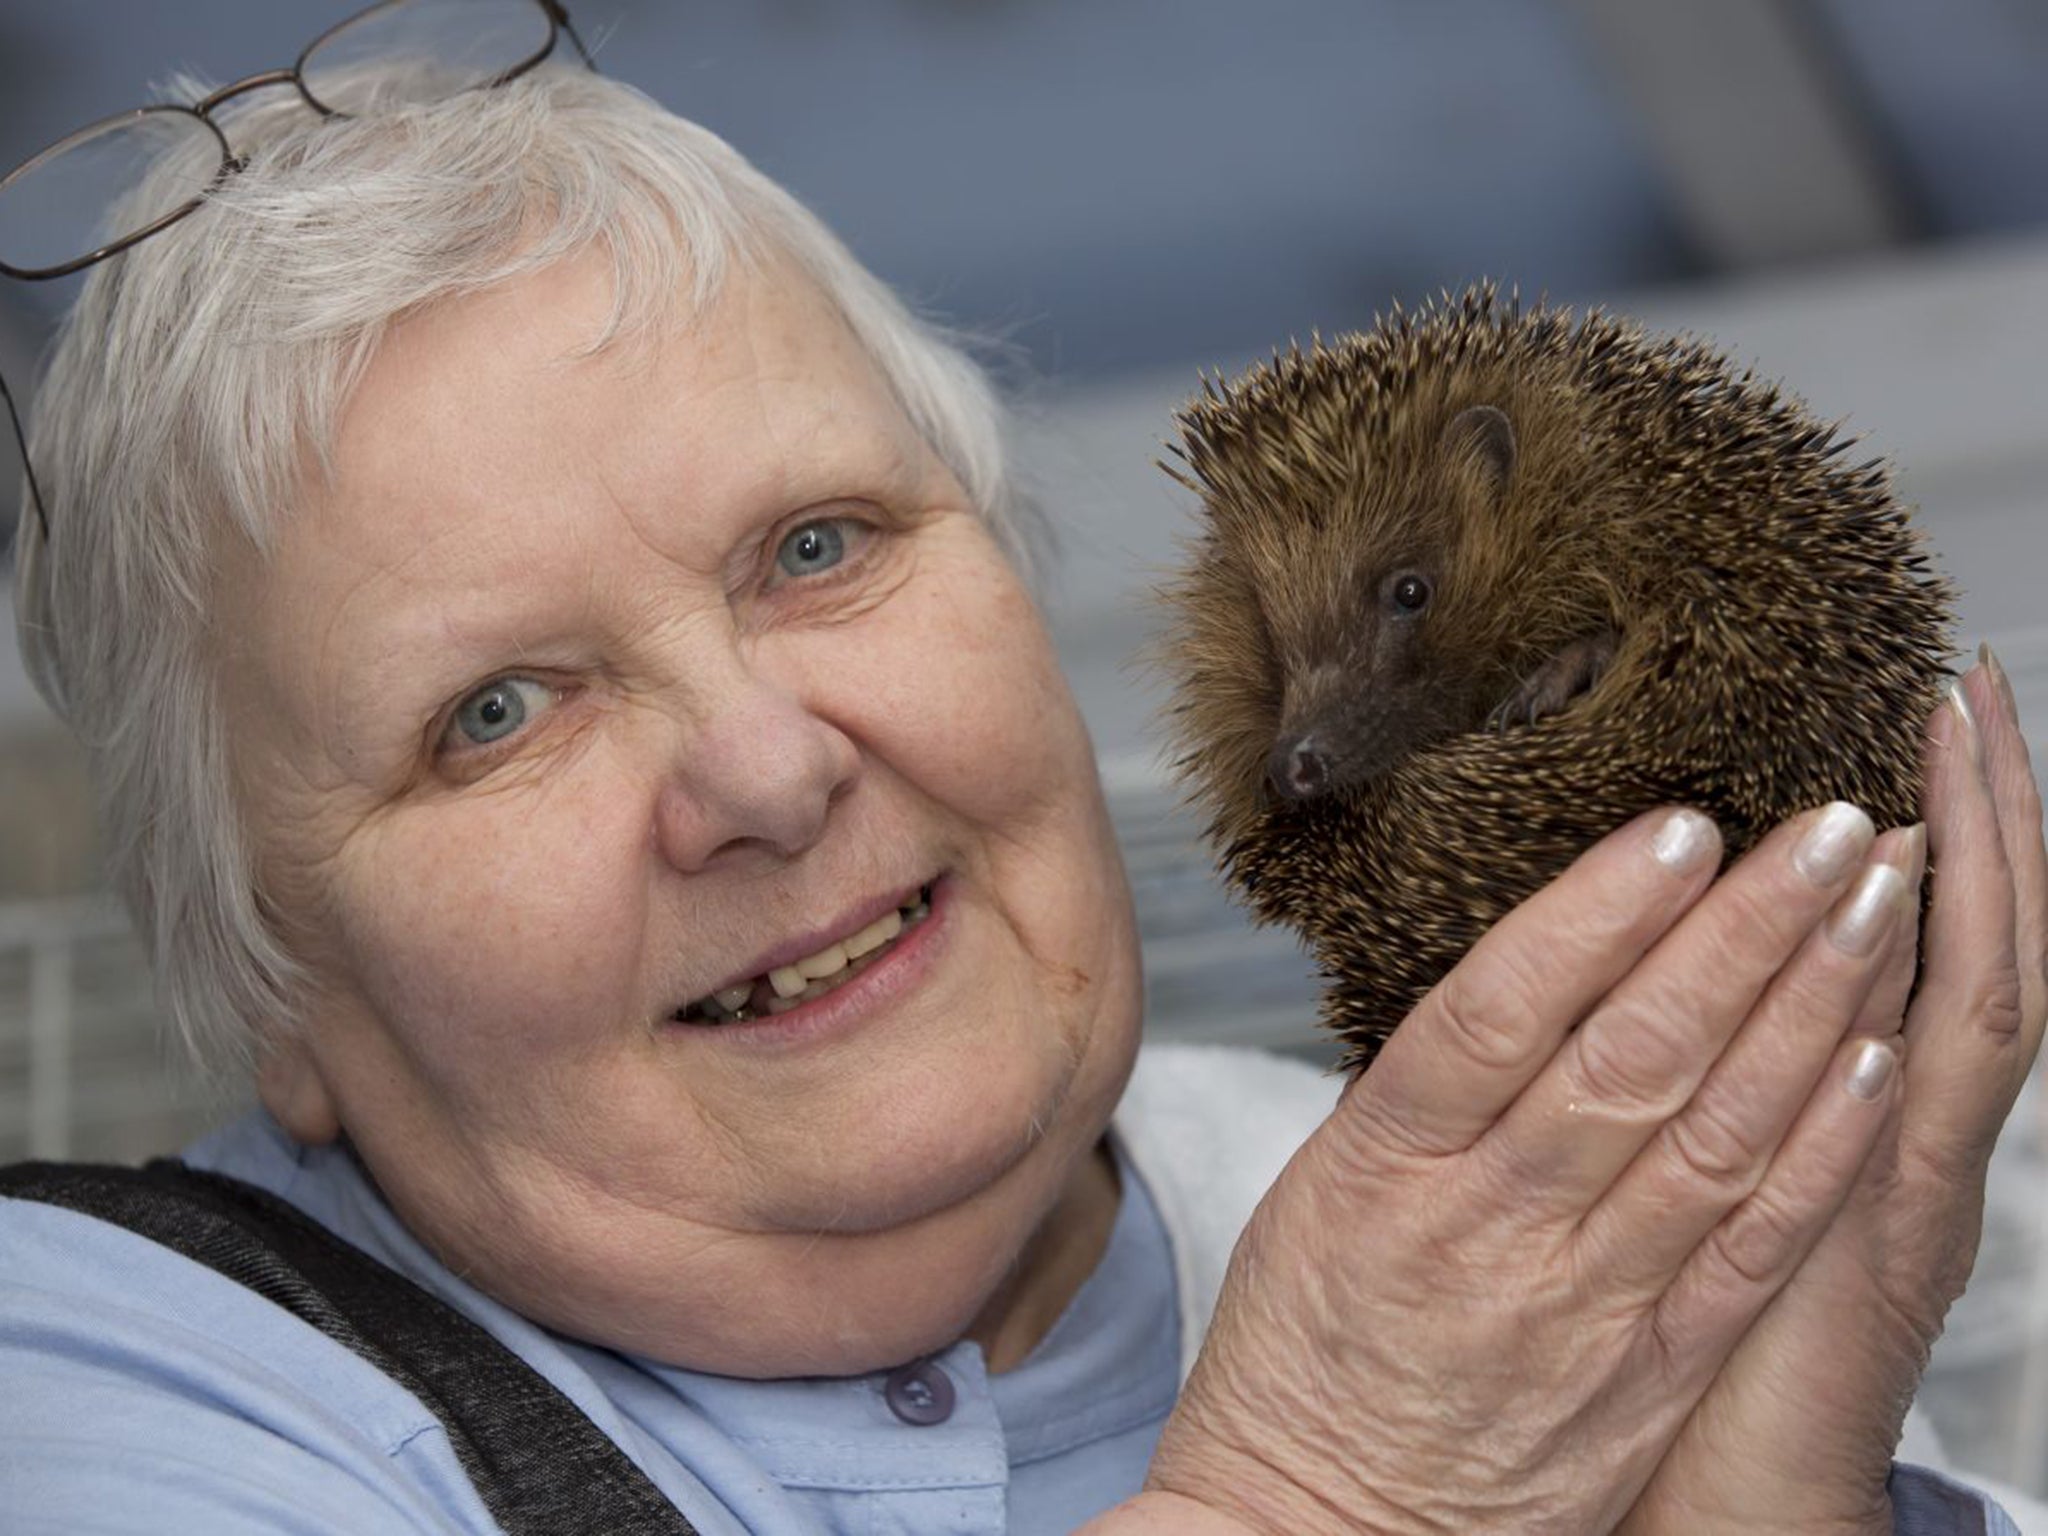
(877, 987)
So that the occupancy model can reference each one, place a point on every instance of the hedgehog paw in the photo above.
(1553, 686)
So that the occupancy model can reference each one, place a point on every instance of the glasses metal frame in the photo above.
(559, 25)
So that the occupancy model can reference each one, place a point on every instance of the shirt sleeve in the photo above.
(1929, 1503)
(143, 1393)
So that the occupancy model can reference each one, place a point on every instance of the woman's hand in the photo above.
(1798, 1432)
(1489, 1291)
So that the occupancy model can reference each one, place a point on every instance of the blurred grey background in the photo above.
(1123, 185)
(1850, 194)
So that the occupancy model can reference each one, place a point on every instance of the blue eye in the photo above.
(812, 548)
(498, 709)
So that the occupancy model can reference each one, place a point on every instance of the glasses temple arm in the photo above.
(560, 15)
(20, 437)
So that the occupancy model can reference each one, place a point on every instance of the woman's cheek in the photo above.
(486, 918)
(966, 693)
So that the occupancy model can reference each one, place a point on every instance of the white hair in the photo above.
(200, 377)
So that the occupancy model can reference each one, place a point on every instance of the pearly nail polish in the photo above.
(1685, 838)
(1871, 1069)
(1966, 720)
(1988, 659)
(1913, 853)
(1863, 917)
(1834, 843)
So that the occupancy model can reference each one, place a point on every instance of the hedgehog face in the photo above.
(1363, 608)
(1360, 688)
(1367, 557)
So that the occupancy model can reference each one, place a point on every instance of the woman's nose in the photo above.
(759, 775)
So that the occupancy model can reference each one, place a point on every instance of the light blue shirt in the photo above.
(140, 1392)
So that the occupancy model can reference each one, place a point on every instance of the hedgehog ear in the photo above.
(1484, 435)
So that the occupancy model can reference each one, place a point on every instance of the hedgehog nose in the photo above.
(1298, 769)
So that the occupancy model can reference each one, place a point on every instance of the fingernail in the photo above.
(1683, 841)
(1966, 717)
(1913, 854)
(1871, 1069)
(1863, 917)
(1834, 844)
(1988, 659)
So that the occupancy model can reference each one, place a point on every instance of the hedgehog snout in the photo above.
(1298, 768)
(1345, 743)
(1328, 734)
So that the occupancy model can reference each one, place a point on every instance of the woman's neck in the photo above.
(1054, 1265)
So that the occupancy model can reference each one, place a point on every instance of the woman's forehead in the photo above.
(488, 461)
(505, 385)
(488, 423)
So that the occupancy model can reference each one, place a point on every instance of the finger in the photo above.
(1473, 1044)
(1749, 1256)
(1966, 1035)
(1651, 1042)
(2017, 796)
(1717, 1151)
(1905, 849)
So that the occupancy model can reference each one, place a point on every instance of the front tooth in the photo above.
(732, 997)
(875, 935)
(826, 962)
(787, 980)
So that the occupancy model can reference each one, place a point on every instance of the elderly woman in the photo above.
(549, 633)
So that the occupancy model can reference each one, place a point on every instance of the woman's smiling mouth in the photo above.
(784, 987)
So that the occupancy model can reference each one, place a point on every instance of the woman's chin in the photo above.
(893, 1277)
(826, 1306)
(968, 1122)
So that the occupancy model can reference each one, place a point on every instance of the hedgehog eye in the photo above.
(1409, 593)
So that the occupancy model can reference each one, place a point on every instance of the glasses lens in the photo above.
(414, 52)
(103, 183)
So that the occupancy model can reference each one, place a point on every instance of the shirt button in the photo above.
(919, 1393)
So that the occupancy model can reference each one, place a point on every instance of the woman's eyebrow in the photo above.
(387, 673)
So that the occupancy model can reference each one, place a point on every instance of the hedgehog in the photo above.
(1473, 588)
